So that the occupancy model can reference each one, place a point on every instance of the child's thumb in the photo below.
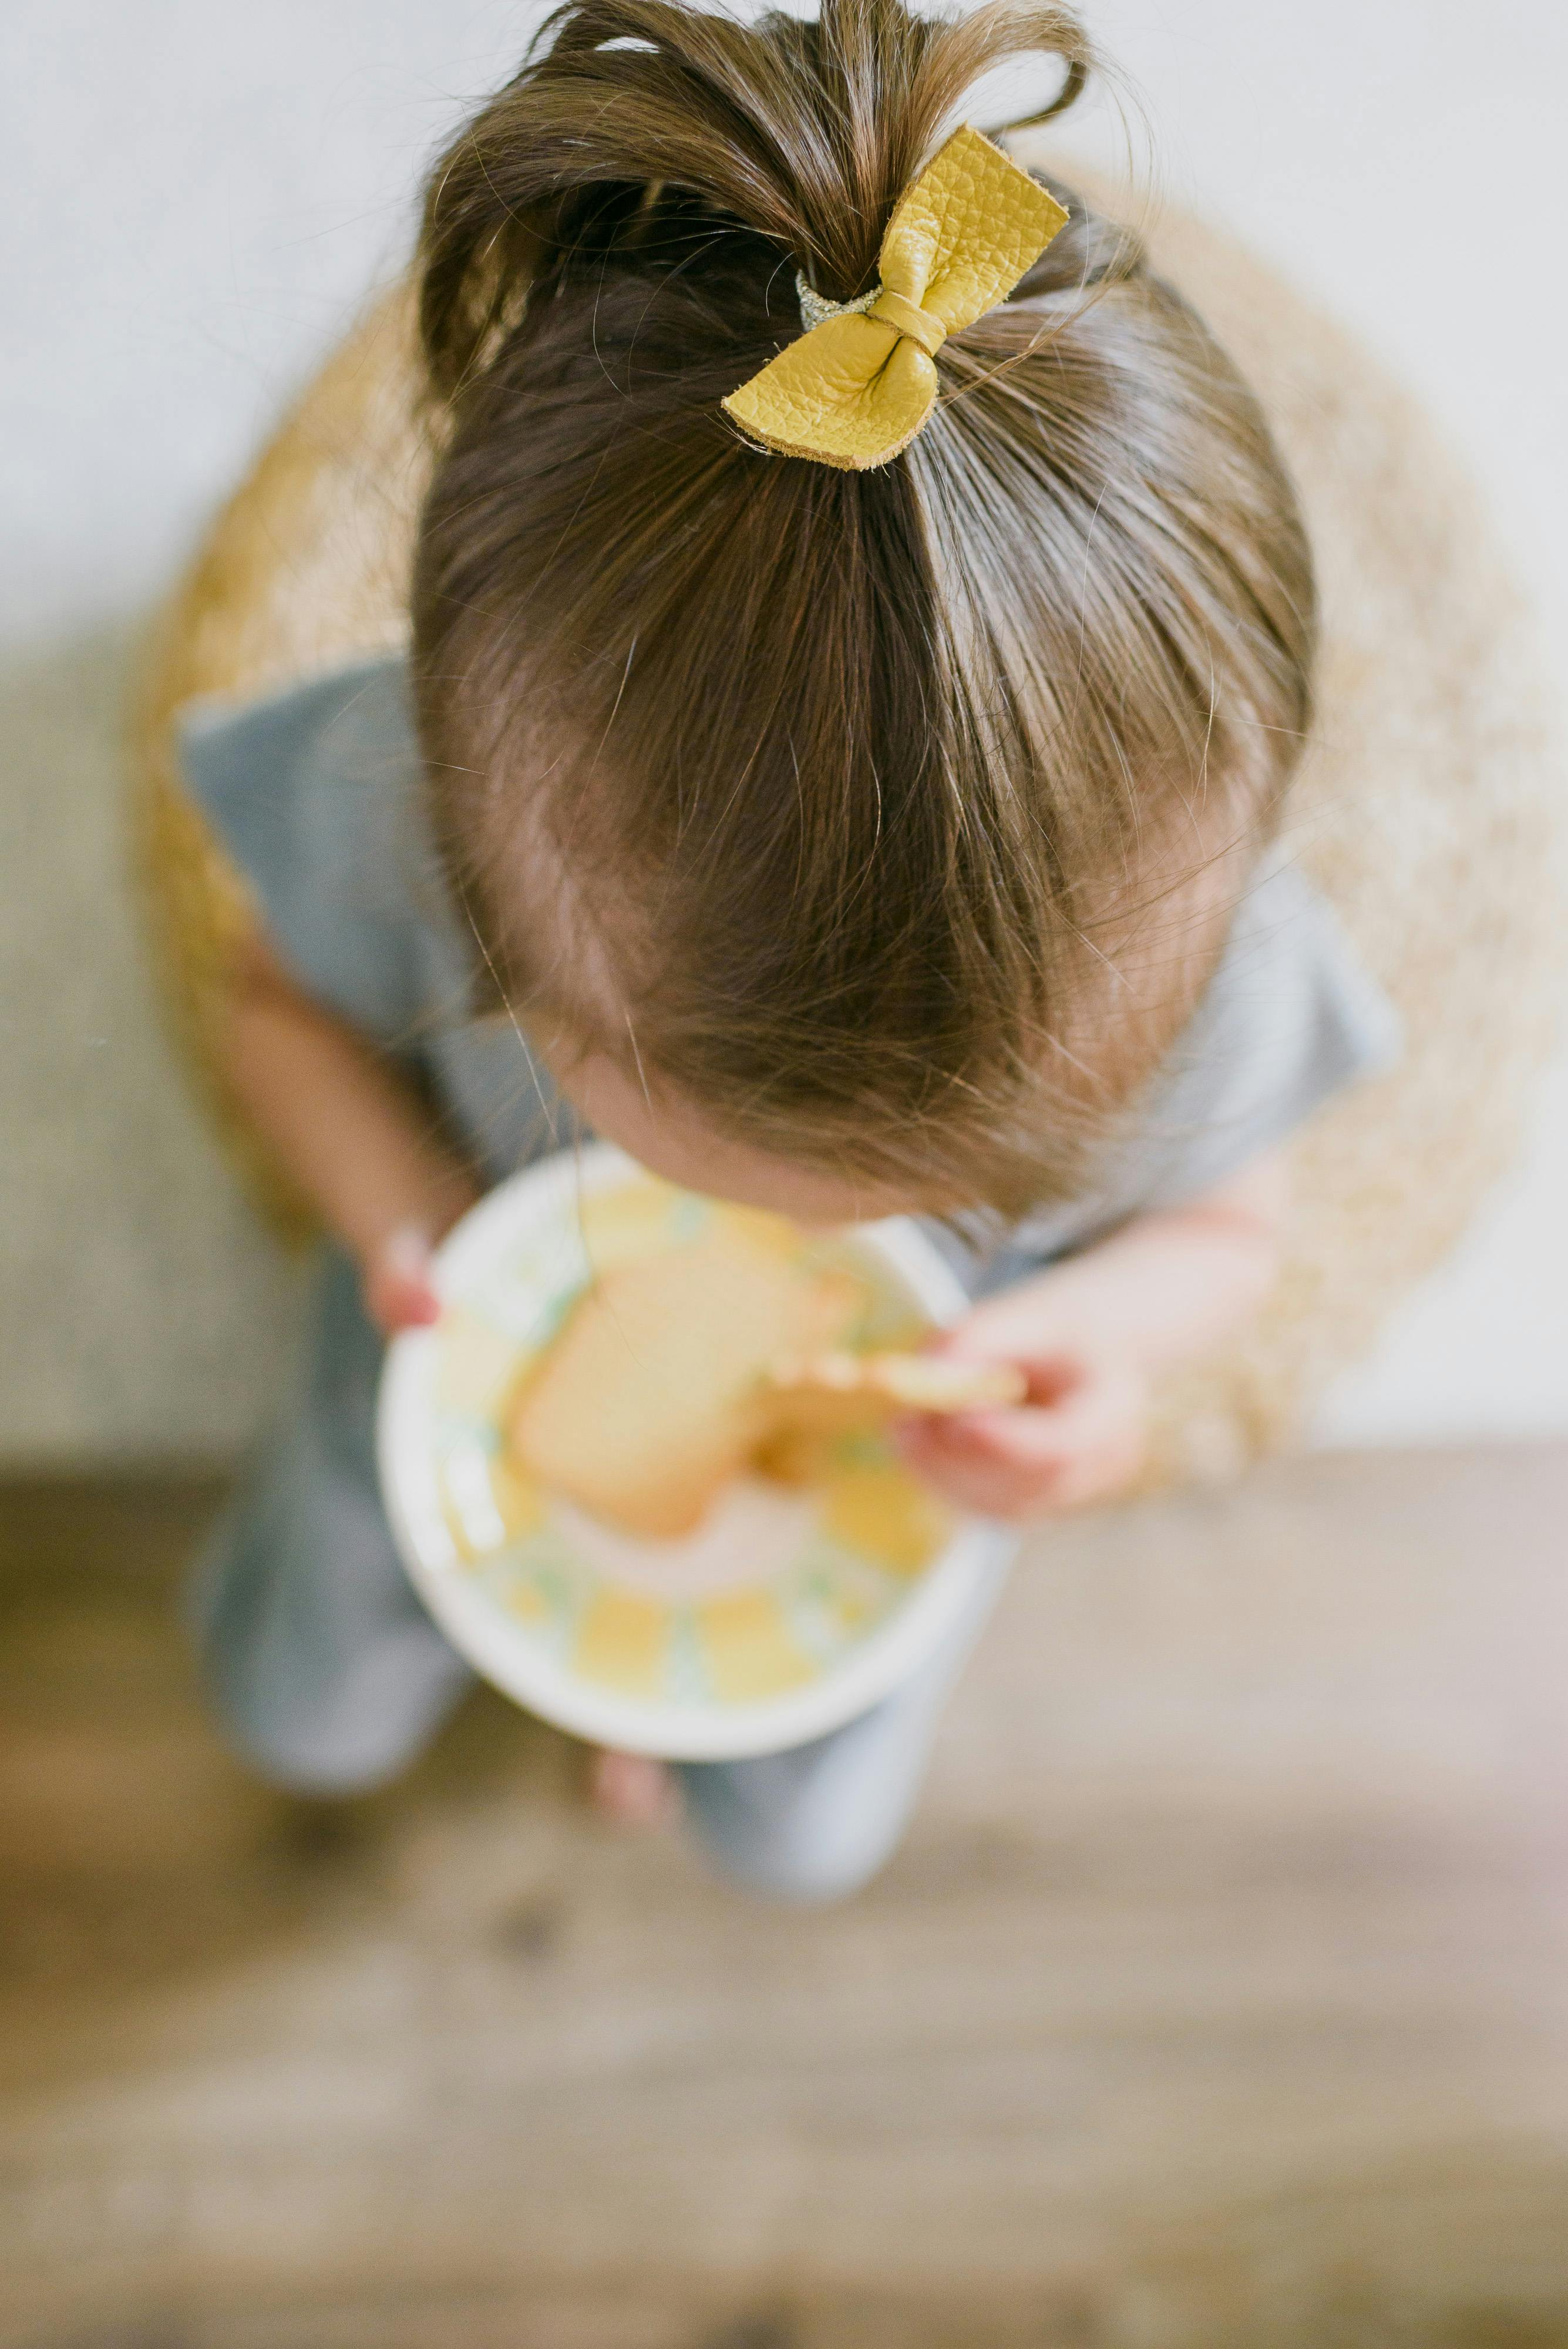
(399, 1286)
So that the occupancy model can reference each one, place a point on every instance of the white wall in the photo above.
(202, 195)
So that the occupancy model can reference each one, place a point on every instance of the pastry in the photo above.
(819, 1398)
(656, 1391)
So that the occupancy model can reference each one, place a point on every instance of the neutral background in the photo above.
(196, 201)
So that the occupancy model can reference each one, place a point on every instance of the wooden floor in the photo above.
(1220, 2000)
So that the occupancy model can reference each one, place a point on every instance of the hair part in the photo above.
(890, 819)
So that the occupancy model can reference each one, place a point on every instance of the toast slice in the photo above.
(656, 1391)
(896, 1382)
(818, 1398)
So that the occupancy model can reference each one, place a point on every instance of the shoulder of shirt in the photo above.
(1286, 938)
(372, 691)
(1290, 1016)
(314, 792)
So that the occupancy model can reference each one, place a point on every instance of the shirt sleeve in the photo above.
(1289, 1018)
(316, 795)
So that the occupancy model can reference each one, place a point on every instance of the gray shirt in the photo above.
(316, 794)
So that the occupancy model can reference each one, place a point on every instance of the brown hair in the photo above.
(890, 819)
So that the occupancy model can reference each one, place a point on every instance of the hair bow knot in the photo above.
(858, 384)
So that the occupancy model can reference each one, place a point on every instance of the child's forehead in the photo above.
(670, 1136)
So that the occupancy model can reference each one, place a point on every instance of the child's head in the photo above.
(882, 823)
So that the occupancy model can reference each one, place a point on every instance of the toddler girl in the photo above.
(862, 634)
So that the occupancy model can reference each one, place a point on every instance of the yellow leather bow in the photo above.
(857, 387)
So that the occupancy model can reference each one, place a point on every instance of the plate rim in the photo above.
(503, 1654)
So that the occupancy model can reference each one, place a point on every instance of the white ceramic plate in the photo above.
(785, 1616)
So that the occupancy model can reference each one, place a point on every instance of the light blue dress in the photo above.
(326, 1670)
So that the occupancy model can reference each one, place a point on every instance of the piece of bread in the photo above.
(656, 1392)
(819, 1398)
(896, 1382)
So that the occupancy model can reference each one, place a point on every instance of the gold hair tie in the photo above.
(862, 380)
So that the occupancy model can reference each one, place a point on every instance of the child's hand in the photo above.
(1079, 1436)
(400, 1290)
(1090, 1335)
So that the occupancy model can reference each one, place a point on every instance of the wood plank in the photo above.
(1217, 2000)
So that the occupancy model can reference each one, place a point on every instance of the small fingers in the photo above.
(1035, 1461)
(400, 1289)
(983, 1488)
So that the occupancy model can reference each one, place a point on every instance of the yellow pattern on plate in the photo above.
(748, 1648)
(451, 1519)
(518, 1502)
(478, 1364)
(759, 1229)
(623, 1642)
(881, 1512)
(527, 1602)
(630, 1221)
